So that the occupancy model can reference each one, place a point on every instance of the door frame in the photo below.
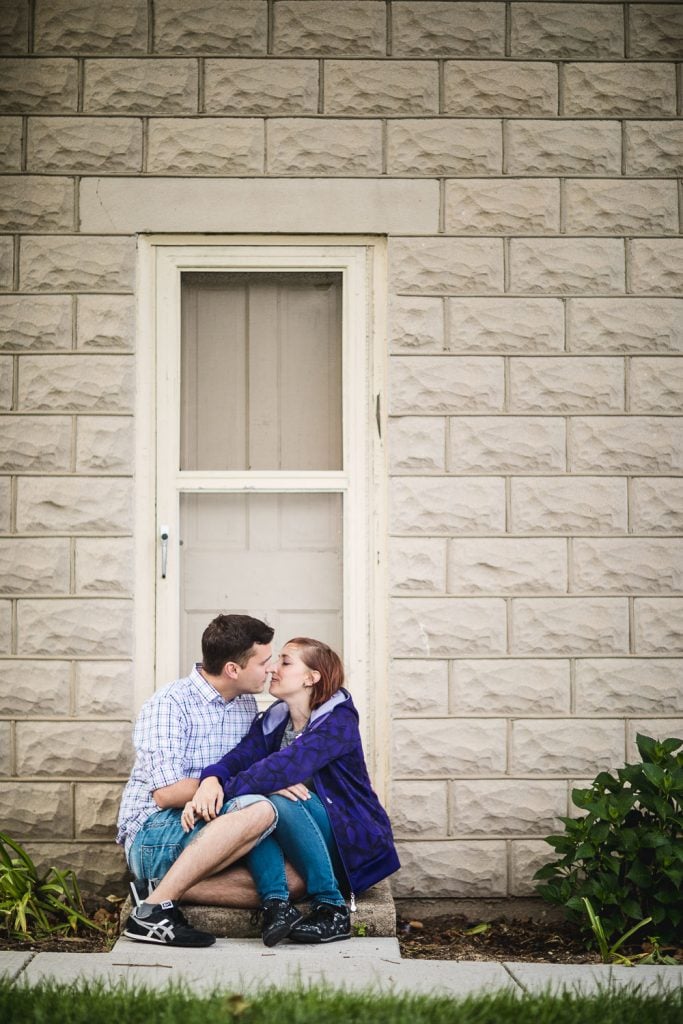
(363, 480)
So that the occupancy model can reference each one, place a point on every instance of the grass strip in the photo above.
(95, 1003)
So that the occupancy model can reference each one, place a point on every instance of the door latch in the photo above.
(163, 531)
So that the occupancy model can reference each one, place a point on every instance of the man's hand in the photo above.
(297, 791)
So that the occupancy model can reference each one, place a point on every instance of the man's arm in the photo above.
(175, 795)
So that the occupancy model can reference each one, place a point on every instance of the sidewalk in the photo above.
(246, 965)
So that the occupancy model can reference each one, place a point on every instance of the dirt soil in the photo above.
(84, 941)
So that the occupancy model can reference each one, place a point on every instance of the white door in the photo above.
(267, 441)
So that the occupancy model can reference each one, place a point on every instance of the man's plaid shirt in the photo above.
(180, 730)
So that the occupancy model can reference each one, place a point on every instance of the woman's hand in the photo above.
(188, 817)
(297, 791)
(208, 799)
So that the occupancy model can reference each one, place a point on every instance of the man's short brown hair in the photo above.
(231, 638)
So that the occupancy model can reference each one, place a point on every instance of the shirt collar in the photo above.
(208, 692)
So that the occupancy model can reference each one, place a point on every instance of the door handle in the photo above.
(163, 531)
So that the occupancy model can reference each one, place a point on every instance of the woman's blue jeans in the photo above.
(304, 836)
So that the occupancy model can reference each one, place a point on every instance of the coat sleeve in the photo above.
(310, 752)
(250, 748)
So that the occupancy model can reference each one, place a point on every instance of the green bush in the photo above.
(625, 855)
(34, 905)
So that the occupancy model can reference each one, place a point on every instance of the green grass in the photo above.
(94, 1004)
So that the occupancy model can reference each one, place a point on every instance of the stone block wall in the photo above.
(528, 156)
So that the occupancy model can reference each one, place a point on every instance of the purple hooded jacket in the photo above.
(329, 751)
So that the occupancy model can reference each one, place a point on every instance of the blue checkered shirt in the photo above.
(179, 731)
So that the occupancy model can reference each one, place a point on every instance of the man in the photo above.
(187, 725)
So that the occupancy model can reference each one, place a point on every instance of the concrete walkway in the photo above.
(246, 965)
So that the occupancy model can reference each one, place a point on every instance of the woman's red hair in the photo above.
(320, 658)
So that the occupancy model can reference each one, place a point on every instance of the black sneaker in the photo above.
(164, 924)
(279, 917)
(327, 923)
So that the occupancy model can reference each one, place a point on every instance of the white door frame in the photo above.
(362, 481)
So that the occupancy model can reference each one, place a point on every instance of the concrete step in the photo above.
(375, 916)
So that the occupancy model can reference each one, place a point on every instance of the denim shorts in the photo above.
(161, 839)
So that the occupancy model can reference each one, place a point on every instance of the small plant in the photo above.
(360, 929)
(625, 855)
(611, 954)
(32, 905)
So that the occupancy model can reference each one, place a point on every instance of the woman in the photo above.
(305, 751)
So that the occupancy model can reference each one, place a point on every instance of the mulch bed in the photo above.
(85, 941)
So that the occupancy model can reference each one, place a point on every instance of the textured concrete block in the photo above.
(79, 26)
(84, 144)
(141, 86)
(500, 88)
(105, 321)
(77, 264)
(501, 807)
(104, 688)
(418, 686)
(526, 857)
(6, 383)
(558, 384)
(563, 147)
(656, 30)
(442, 505)
(451, 868)
(6, 262)
(654, 147)
(4, 504)
(23, 691)
(656, 385)
(76, 383)
(34, 566)
(381, 87)
(497, 206)
(5, 635)
(415, 324)
(659, 625)
(621, 90)
(96, 808)
(40, 322)
(656, 728)
(446, 384)
(506, 325)
(439, 265)
(10, 143)
(657, 505)
(325, 27)
(417, 442)
(629, 686)
(439, 146)
(70, 503)
(626, 445)
(36, 809)
(436, 29)
(104, 444)
(567, 30)
(506, 566)
(573, 626)
(209, 145)
(416, 564)
(656, 265)
(567, 265)
(510, 686)
(33, 203)
(35, 443)
(45, 86)
(99, 866)
(566, 746)
(628, 565)
(419, 809)
(625, 325)
(506, 444)
(261, 86)
(568, 505)
(71, 628)
(72, 748)
(211, 26)
(622, 207)
(447, 627)
(104, 566)
(307, 146)
(446, 747)
(14, 28)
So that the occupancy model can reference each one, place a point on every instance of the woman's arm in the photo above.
(250, 748)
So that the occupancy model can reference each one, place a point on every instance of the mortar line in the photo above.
(321, 86)
(266, 122)
(385, 145)
(560, 89)
(627, 384)
(13, 626)
(15, 382)
(442, 206)
(572, 697)
(441, 66)
(570, 564)
(623, 146)
(13, 488)
(23, 158)
(144, 153)
(508, 29)
(629, 499)
(74, 322)
(81, 85)
(270, 27)
(446, 315)
(201, 91)
(506, 265)
(563, 206)
(16, 254)
(565, 324)
(31, 25)
(150, 26)
(72, 689)
(77, 202)
(389, 23)
(680, 205)
(504, 145)
(627, 30)
(631, 625)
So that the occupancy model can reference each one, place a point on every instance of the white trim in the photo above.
(361, 261)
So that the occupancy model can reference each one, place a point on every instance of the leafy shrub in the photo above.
(625, 854)
(32, 905)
